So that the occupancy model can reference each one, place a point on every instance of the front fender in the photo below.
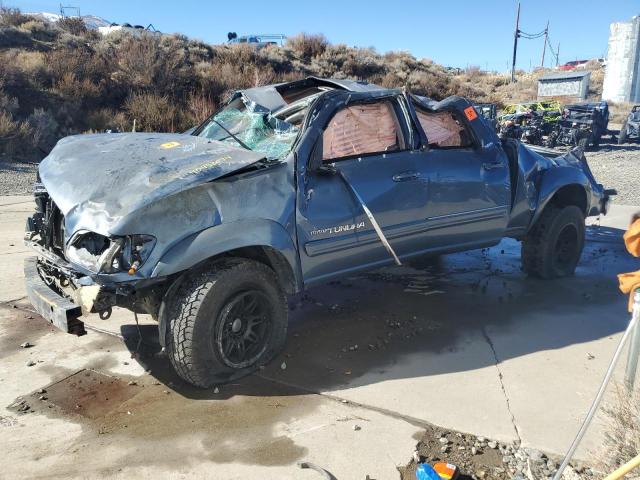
(555, 178)
(222, 238)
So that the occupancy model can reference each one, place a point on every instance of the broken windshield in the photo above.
(258, 131)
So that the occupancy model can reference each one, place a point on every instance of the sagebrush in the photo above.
(61, 79)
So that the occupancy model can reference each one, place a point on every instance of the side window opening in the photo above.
(360, 130)
(444, 130)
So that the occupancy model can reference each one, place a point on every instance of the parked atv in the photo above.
(538, 131)
(550, 110)
(511, 125)
(631, 127)
(582, 125)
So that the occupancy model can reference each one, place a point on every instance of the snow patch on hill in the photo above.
(91, 21)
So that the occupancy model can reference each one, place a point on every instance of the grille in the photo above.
(51, 222)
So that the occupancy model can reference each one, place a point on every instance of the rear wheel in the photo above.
(226, 321)
(553, 247)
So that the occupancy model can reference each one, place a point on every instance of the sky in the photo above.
(457, 33)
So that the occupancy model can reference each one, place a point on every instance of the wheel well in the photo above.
(271, 258)
(260, 253)
(571, 195)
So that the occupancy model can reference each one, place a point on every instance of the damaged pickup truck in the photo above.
(286, 187)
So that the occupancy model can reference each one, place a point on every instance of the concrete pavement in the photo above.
(466, 342)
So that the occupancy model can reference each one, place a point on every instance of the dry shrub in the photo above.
(152, 62)
(73, 25)
(102, 119)
(200, 107)
(12, 17)
(139, 60)
(15, 137)
(43, 127)
(30, 67)
(7, 125)
(8, 104)
(39, 30)
(622, 435)
(152, 112)
(70, 88)
(308, 45)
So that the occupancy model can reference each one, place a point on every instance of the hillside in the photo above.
(60, 78)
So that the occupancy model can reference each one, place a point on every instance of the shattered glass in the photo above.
(259, 131)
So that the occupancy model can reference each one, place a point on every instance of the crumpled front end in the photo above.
(59, 280)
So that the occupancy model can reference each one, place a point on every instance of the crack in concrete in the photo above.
(502, 386)
(416, 422)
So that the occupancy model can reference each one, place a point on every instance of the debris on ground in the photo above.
(481, 458)
(30, 363)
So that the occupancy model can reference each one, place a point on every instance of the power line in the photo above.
(528, 36)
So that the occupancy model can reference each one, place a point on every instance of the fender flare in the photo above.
(553, 180)
(213, 241)
(222, 238)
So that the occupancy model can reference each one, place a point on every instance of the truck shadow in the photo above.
(429, 317)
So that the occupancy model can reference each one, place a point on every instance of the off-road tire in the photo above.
(622, 137)
(196, 311)
(553, 246)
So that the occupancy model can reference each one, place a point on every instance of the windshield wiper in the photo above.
(242, 144)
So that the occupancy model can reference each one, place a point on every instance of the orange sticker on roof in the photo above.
(470, 113)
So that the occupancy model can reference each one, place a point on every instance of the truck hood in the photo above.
(105, 177)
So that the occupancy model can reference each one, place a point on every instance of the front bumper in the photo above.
(58, 310)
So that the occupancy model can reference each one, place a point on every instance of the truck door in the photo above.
(370, 144)
(468, 178)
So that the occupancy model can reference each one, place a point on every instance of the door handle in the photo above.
(492, 165)
(405, 176)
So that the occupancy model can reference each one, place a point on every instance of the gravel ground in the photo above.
(479, 458)
(615, 166)
(16, 178)
(618, 166)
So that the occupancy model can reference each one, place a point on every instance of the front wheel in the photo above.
(226, 321)
(553, 247)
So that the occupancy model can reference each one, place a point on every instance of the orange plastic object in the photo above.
(446, 471)
(630, 281)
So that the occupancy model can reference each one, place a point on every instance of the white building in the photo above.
(622, 75)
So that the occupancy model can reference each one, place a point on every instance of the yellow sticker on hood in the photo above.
(170, 145)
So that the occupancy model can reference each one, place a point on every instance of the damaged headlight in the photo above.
(101, 254)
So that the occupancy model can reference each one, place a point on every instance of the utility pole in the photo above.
(558, 55)
(515, 45)
(544, 47)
